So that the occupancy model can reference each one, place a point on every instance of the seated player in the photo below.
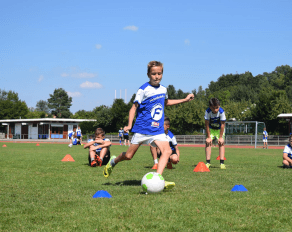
(287, 154)
(90, 139)
(156, 153)
(99, 149)
(75, 140)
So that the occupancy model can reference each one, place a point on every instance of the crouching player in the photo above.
(99, 149)
(287, 154)
(215, 127)
(156, 153)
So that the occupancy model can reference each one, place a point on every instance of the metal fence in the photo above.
(273, 140)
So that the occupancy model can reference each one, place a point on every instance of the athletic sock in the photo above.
(92, 159)
(208, 161)
(113, 162)
(221, 161)
(156, 161)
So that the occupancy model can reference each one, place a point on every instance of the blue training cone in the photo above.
(102, 194)
(239, 188)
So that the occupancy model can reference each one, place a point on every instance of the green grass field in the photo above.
(39, 192)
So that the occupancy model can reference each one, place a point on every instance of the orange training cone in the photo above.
(218, 158)
(37, 144)
(201, 167)
(4, 145)
(68, 158)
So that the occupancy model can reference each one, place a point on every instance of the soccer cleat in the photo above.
(98, 161)
(222, 166)
(108, 168)
(208, 165)
(155, 166)
(168, 185)
(169, 165)
(93, 163)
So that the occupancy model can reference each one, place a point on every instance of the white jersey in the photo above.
(171, 139)
(150, 112)
(288, 150)
(215, 119)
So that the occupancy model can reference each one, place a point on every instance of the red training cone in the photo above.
(201, 167)
(4, 145)
(218, 158)
(68, 158)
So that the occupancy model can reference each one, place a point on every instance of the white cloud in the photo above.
(74, 94)
(64, 75)
(90, 85)
(187, 42)
(79, 75)
(131, 28)
(41, 78)
(98, 46)
(84, 75)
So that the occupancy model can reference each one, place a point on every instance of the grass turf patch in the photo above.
(39, 192)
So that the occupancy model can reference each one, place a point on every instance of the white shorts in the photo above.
(148, 139)
(265, 140)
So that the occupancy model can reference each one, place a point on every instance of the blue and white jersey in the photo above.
(215, 119)
(74, 141)
(288, 150)
(99, 149)
(265, 135)
(78, 132)
(121, 133)
(89, 140)
(71, 133)
(150, 112)
(172, 140)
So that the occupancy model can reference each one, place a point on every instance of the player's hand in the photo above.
(221, 141)
(190, 97)
(127, 128)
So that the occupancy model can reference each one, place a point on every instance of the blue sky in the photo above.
(92, 48)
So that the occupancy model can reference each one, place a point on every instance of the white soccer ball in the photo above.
(70, 145)
(152, 182)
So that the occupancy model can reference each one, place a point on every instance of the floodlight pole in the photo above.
(256, 135)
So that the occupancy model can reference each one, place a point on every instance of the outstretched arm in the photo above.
(132, 113)
(170, 102)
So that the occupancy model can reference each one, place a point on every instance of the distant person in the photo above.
(215, 127)
(71, 135)
(126, 138)
(287, 154)
(79, 134)
(265, 139)
(90, 139)
(99, 149)
(121, 132)
(156, 153)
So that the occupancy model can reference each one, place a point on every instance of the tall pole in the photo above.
(256, 135)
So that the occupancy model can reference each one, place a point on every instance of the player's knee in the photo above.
(285, 162)
(174, 159)
(125, 157)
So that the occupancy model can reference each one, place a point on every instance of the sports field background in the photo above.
(39, 192)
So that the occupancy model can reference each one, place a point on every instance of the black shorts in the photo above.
(106, 158)
(126, 137)
(159, 153)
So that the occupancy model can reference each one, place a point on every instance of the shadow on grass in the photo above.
(154, 170)
(125, 183)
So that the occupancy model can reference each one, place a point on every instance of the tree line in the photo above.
(243, 96)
